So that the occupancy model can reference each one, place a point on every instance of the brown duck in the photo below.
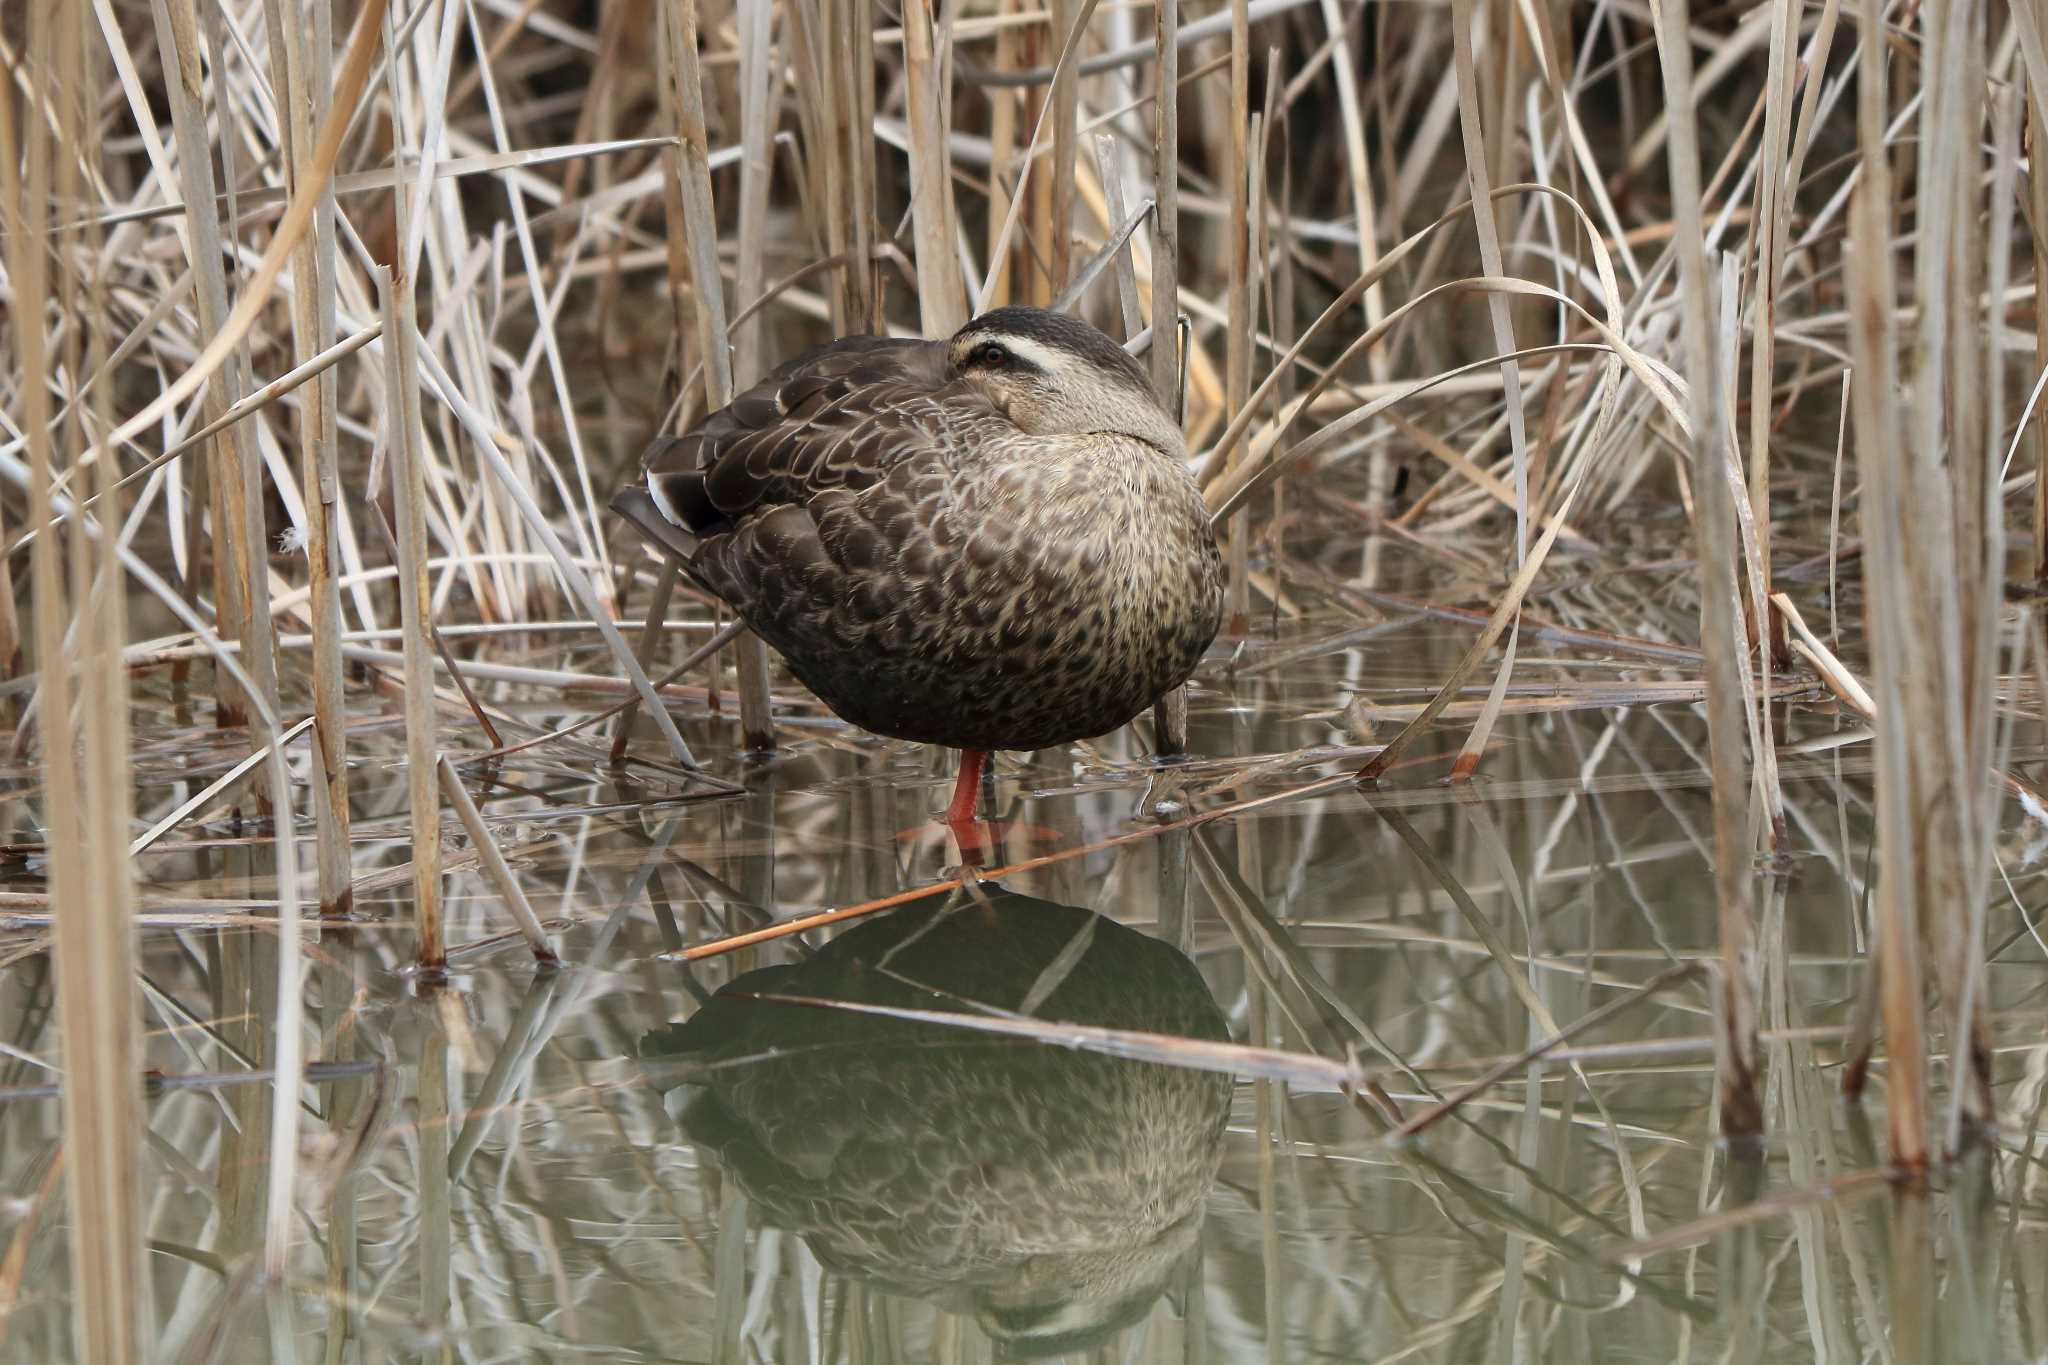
(989, 541)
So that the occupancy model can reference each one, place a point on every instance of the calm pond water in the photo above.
(638, 1158)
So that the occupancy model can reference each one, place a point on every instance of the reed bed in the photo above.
(1608, 353)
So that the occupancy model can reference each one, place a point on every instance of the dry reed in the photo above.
(1473, 292)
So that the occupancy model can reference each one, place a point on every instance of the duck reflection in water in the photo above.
(1049, 1192)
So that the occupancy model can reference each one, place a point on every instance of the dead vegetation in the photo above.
(1600, 361)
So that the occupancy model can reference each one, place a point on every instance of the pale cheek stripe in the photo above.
(661, 503)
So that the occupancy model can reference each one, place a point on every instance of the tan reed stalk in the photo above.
(85, 771)
(240, 552)
(1980, 400)
(1059, 243)
(1714, 535)
(313, 328)
(756, 168)
(1002, 140)
(856, 57)
(2037, 201)
(1874, 400)
(941, 293)
(700, 222)
(405, 447)
(832, 45)
(1170, 713)
(676, 235)
(1166, 202)
(1773, 220)
(241, 570)
(1031, 240)
(678, 263)
(1951, 657)
(1237, 352)
(1358, 168)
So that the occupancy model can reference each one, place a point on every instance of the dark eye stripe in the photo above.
(994, 355)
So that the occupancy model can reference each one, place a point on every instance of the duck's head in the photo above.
(1055, 375)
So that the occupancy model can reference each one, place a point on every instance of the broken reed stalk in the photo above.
(313, 332)
(1716, 548)
(1887, 586)
(405, 442)
(86, 771)
(494, 864)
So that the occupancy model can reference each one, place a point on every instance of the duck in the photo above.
(985, 541)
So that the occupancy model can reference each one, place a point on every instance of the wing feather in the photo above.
(831, 418)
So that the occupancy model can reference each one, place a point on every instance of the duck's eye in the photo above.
(991, 355)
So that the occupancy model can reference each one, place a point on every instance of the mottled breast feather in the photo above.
(931, 571)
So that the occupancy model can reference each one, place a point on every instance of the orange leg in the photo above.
(967, 787)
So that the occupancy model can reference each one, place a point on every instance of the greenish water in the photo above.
(596, 1164)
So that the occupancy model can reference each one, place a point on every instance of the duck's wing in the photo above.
(840, 416)
(837, 533)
